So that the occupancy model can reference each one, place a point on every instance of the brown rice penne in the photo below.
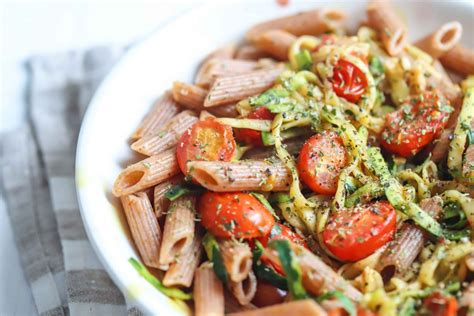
(306, 307)
(250, 52)
(167, 137)
(233, 306)
(164, 109)
(230, 89)
(192, 97)
(442, 40)
(144, 227)
(181, 272)
(459, 59)
(208, 292)
(218, 67)
(227, 51)
(408, 243)
(178, 233)
(146, 173)
(237, 258)
(392, 32)
(277, 43)
(222, 176)
(314, 22)
(160, 202)
(317, 276)
(244, 291)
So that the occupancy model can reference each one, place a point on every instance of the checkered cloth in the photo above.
(37, 168)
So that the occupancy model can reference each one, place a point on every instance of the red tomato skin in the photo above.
(191, 147)
(326, 152)
(355, 233)
(286, 234)
(348, 81)
(268, 294)
(438, 304)
(415, 125)
(250, 136)
(238, 215)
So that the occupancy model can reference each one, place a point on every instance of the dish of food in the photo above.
(311, 169)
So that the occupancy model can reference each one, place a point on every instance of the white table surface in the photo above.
(37, 27)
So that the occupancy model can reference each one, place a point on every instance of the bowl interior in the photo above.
(174, 53)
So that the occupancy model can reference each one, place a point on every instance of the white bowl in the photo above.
(173, 53)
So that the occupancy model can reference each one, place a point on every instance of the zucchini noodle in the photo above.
(466, 203)
(303, 42)
(421, 187)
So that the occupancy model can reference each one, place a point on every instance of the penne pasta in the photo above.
(144, 227)
(160, 201)
(167, 137)
(221, 176)
(164, 109)
(233, 306)
(410, 240)
(460, 60)
(226, 51)
(146, 173)
(314, 22)
(392, 32)
(208, 292)
(218, 67)
(181, 272)
(230, 89)
(442, 40)
(192, 97)
(250, 52)
(178, 233)
(277, 43)
(244, 291)
(237, 258)
(306, 307)
(317, 276)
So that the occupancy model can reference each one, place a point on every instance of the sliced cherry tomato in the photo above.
(416, 124)
(438, 304)
(342, 312)
(268, 294)
(206, 140)
(355, 233)
(280, 231)
(250, 136)
(349, 81)
(238, 215)
(321, 160)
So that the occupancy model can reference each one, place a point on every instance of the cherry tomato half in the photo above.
(238, 215)
(321, 160)
(280, 231)
(268, 294)
(438, 304)
(349, 81)
(355, 233)
(416, 124)
(250, 136)
(205, 140)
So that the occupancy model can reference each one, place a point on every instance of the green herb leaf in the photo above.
(168, 291)
(264, 272)
(376, 67)
(304, 60)
(214, 254)
(347, 304)
(265, 203)
(179, 190)
(408, 308)
(269, 97)
(291, 268)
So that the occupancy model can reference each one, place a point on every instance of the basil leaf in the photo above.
(179, 190)
(304, 60)
(264, 272)
(168, 291)
(214, 254)
(265, 203)
(347, 304)
(291, 268)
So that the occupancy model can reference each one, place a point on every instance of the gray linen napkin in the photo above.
(38, 184)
